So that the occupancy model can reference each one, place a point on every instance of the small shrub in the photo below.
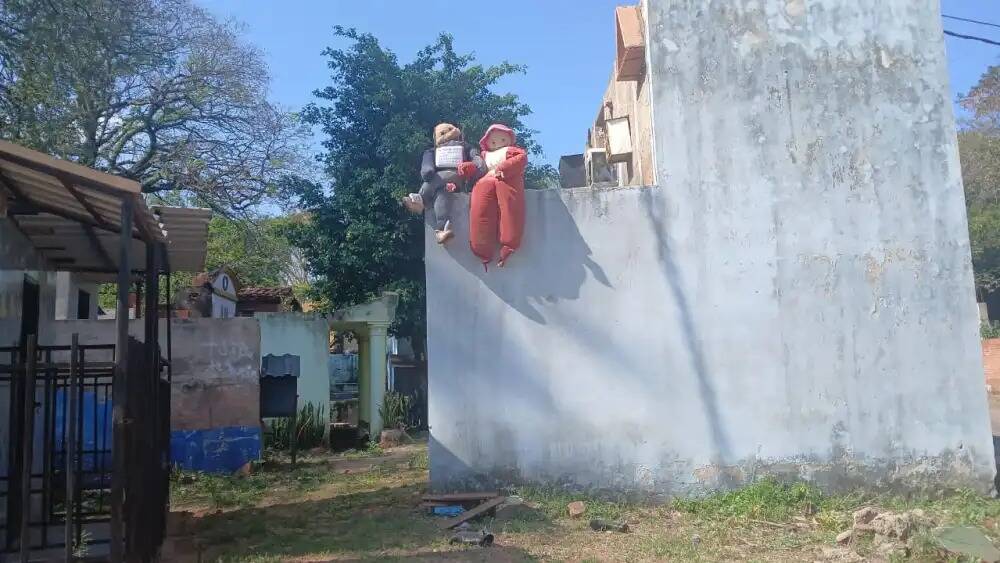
(419, 460)
(395, 410)
(764, 500)
(310, 424)
(989, 330)
(372, 450)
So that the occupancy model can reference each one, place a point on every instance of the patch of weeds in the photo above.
(964, 508)
(219, 491)
(764, 500)
(552, 502)
(923, 545)
(373, 450)
(670, 548)
(419, 460)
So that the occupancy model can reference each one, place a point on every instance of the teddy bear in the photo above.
(496, 214)
(451, 166)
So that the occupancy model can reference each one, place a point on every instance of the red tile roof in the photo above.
(265, 294)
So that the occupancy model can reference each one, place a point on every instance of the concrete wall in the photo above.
(215, 392)
(68, 288)
(794, 298)
(308, 337)
(17, 260)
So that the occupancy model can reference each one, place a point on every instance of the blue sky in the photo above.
(568, 46)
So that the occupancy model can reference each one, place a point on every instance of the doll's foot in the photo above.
(414, 203)
(505, 254)
(445, 234)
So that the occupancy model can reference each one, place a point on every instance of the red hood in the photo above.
(493, 128)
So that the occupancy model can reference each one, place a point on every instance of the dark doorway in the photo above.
(83, 305)
(30, 303)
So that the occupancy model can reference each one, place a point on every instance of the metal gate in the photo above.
(56, 464)
(57, 451)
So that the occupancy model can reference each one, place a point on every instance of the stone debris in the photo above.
(845, 537)
(891, 531)
(899, 526)
(576, 508)
(245, 471)
(863, 518)
(839, 555)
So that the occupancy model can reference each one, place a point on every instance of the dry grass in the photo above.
(317, 512)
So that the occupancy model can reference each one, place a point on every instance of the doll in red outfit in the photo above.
(496, 215)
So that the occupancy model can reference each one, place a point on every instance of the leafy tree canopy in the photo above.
(154, 90)
(979, 145)
(377, 115)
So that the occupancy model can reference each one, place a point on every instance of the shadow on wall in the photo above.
(689, 334)
(559, 257)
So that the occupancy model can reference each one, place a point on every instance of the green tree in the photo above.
(979, 145)
(154, 90)
(257, 250)
(377, 115)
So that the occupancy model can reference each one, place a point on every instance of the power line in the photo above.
(972, 37)
(980, 22)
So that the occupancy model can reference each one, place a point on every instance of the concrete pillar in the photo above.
(364, 381)
(377, 370)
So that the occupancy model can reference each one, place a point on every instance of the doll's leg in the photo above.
(423, 199)
(483, 219)
(511, 203)
(442, 210)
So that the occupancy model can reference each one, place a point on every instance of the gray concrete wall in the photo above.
(795, 298)
(216, 366)
(17, 260)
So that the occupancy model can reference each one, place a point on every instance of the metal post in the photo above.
(29, 442)
(170, 356)
(293, 434)
(152, 286)
(119, 391)
(71, 431)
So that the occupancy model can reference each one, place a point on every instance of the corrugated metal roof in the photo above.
(186, 230)
(72, 215)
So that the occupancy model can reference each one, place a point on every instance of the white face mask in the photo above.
(495, 157)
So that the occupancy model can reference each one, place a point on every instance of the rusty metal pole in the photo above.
(73, 391)
(28, 433)
(119, 393)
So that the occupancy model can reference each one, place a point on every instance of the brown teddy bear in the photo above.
(451, 166)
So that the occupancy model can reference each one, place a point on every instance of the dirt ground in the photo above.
(364, 507)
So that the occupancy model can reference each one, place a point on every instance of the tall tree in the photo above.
(154, 90)
(377, 115)
(979, 145)
(258, 250)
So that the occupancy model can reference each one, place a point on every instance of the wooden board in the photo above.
(459, 497)
(482, 508)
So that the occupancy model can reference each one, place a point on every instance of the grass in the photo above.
(373, 450)
(314, 512)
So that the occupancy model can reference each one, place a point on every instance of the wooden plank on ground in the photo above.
(482, 508)
(459, 497)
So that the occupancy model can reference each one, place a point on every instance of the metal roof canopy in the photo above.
(71, 214)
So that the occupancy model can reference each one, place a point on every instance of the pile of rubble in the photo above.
(892, 531)
(893, 535)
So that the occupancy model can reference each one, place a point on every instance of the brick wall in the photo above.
(991, 363)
